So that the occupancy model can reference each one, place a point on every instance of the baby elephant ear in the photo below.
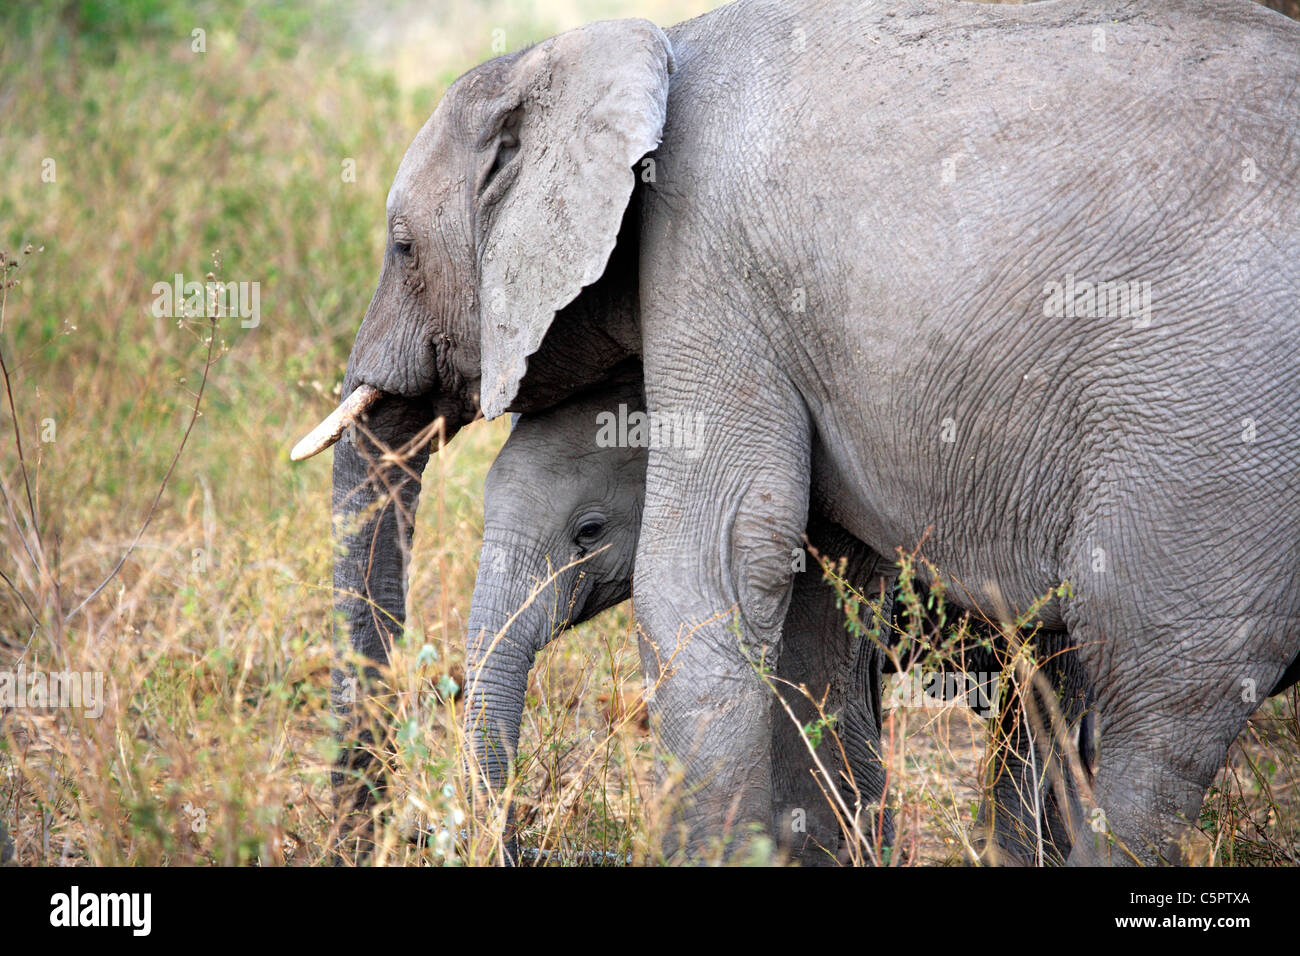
(591, 103)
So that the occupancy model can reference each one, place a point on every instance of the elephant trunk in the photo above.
(500, 658)
(374, 504)
(508, 625)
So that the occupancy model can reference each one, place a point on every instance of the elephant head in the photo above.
(562, 511)
(507, 205)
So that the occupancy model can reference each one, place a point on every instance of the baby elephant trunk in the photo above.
(501, 648)
(510, 620)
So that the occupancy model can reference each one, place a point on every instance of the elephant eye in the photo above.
(589, 529)
(507, 143)
(403, 249)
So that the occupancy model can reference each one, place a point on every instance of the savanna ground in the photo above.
(127, 155)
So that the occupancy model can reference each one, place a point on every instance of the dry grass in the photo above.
(212, 639)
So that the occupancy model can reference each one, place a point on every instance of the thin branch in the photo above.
(22, 538)
(11, 584)
(13, 414)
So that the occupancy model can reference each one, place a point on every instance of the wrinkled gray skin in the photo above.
(562, 512)
(840, 255)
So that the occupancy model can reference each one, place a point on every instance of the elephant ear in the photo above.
(591, 102)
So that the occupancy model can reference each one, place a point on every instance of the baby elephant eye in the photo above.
(402, 248)
(589, 529)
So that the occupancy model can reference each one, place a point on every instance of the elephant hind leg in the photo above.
(1185, 607)
(1167, 722)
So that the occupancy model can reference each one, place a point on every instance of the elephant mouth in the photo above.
(444, 400)
(334, 424)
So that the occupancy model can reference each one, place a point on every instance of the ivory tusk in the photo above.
(336, 423)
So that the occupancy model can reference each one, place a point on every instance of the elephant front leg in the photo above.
(829, 678)
(1033, 809)
(724, 515)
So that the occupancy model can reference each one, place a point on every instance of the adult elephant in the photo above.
(878, 234)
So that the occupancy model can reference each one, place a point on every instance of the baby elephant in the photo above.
(555, 496)
(562, 510)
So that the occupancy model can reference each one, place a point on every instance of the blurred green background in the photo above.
(165, 160)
